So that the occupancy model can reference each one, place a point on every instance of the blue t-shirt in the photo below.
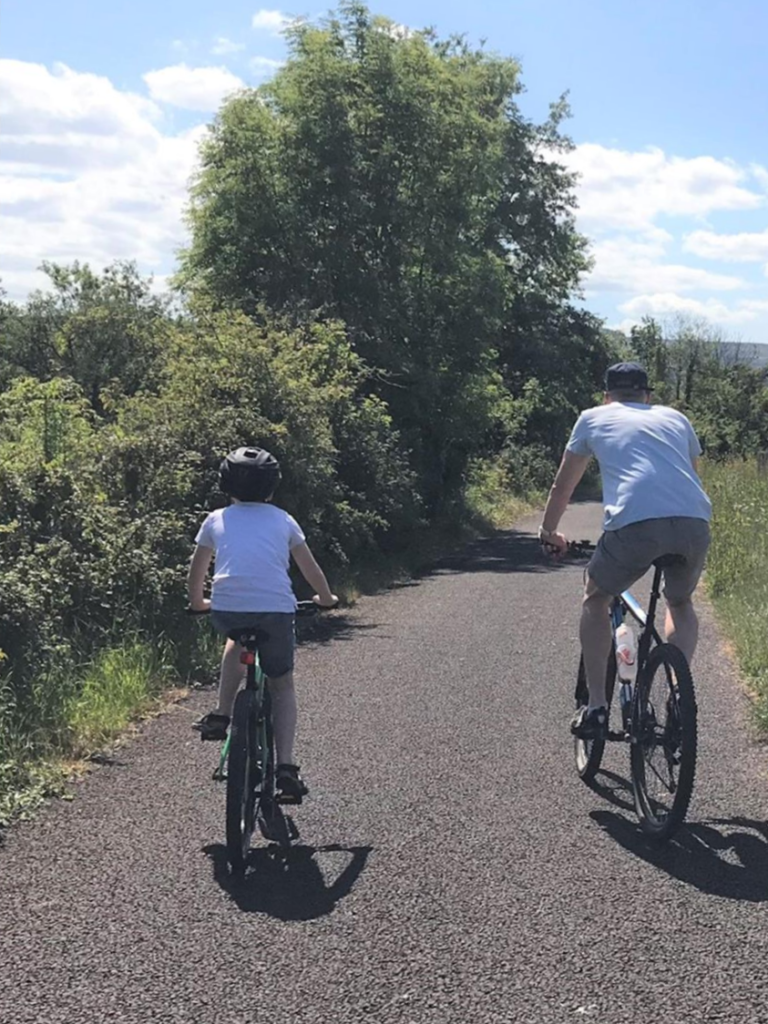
(646, 454)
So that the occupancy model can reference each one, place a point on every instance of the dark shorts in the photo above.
(276, 651)
(623, 556)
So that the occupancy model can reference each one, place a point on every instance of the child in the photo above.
(253, 542)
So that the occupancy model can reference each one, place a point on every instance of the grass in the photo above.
(94, 708)
(737, 569)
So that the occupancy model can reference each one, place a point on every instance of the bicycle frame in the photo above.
(625, 604)
(254, 680)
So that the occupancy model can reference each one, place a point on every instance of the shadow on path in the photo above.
(288, 884)
(508, 551)
(723, 857)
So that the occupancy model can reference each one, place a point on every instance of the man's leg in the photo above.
(682, 626)
(595, 633)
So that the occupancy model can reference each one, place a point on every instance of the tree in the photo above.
(389, 180)
(94, 328)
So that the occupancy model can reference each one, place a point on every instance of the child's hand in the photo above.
(328, 600)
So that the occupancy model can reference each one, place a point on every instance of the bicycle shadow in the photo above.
(721, 857)
(288, 884)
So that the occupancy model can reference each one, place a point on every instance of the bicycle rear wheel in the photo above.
(663, 751)
(242, 776)
(589, 753)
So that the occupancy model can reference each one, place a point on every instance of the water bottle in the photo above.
(626, 653)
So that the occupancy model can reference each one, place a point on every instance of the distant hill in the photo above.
(743, 352)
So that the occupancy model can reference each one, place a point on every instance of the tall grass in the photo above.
(70, 714)
(737, 571)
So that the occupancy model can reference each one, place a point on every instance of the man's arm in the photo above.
(571, 470)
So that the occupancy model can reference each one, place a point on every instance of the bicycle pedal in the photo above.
(288, 800)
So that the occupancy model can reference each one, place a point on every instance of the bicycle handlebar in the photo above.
(303, 609)
(575, 547)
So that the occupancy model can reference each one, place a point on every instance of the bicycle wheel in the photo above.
(589, 753)
(242, 771)
(663, 751)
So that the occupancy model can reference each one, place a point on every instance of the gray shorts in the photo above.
(623, 556)
(276, 651)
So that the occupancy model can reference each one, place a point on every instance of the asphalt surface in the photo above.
(452, 867)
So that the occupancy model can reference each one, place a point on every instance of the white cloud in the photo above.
(192, 88)
(634, 265)
(86, 174)
(667, 303)
(628, 191)
(270, 21)
(223, 46)
(746, 247)
(262, 67)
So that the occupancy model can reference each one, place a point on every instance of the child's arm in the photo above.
(314, 575)
(198, 570)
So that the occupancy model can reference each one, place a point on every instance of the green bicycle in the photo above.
(247, 760)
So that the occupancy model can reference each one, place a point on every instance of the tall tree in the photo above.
(389, 179)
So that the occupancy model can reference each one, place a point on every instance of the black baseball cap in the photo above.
(631, 376)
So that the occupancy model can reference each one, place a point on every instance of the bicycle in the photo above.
(663, 723)
(247, 759)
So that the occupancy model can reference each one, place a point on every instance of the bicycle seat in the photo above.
(667, 561)
(250, 638)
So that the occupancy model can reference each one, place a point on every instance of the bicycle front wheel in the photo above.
(242, 774)
(589, 753)
(663, 751)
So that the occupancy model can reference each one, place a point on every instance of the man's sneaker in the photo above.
(289, 783)
(590, 725)
(212, 726)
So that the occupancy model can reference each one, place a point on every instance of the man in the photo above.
(654, 505)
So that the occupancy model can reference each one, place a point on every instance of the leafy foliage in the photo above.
(389, 180)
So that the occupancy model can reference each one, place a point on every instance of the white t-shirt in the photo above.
(646, 454)
(253, 543)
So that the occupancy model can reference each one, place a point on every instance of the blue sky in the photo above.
(101, 107)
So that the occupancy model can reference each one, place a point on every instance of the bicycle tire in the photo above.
(679, 740)
(588, 754)
(241, 770)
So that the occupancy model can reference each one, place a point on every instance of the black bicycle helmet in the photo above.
(249, 474)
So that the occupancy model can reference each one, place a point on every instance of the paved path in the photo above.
(454, 868)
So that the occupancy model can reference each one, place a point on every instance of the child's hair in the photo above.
(249, 474)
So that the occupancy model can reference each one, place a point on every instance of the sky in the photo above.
(102, 107)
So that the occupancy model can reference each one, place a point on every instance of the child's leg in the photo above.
(231, 678)
(284, 716)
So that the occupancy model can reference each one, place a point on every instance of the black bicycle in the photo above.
(658, 715)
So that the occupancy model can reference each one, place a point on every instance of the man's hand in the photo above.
(200, 605)
(328, 600)
(554, 544)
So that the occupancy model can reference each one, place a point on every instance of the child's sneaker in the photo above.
(289, 783)
(212, 726)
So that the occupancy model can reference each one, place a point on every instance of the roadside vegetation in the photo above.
(737, 576)
(381, 287)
